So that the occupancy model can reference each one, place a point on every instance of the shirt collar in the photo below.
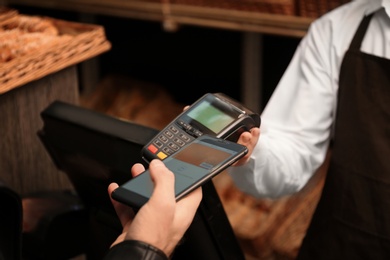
(386, 5)
(375, 5)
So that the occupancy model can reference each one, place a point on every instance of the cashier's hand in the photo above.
(249, 139)
(162, 221)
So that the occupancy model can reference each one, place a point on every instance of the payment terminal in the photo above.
(213, 114)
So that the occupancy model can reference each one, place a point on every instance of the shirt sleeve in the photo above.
(135, 250)
(296, 122)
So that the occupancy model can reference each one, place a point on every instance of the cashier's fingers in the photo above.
(248, 139)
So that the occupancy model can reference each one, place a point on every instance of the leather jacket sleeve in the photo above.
(133, 249)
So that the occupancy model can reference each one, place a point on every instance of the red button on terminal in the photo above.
(152, 148)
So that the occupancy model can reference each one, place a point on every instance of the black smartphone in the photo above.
(193, 165)
(213, 114)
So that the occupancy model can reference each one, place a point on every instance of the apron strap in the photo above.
(361, 31)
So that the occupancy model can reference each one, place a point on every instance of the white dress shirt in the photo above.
(297, 121)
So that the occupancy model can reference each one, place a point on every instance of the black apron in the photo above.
(352, 219)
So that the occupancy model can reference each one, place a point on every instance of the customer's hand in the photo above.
(162, 221)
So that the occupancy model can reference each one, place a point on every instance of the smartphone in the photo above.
(213, 114)
(193, 165)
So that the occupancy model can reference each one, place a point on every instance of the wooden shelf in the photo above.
(252, 24)
(178, 15)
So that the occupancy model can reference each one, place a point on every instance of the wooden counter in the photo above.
(30, 81)
(24, 163)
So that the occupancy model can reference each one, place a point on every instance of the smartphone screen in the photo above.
(193, 165)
